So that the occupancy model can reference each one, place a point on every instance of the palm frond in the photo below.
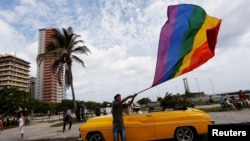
(78, 60)
(74, 43)
(41, 57)
(81, 50)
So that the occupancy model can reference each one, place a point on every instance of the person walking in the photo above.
(21, 122)
(67, 119)
(117, 113)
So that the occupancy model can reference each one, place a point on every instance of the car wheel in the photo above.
(184, 134)
(96, 137)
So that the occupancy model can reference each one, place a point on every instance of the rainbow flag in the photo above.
(187, 40)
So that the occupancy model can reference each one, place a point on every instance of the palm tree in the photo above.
(62, 48)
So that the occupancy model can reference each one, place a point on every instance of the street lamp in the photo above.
(212, 86)
(198, 87)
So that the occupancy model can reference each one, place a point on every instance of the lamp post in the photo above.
(212, 86)
(198, 87)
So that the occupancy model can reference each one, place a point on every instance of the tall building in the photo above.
(32, 85)
(47, 86)
(14, 72)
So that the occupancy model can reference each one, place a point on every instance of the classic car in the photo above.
(182, 125)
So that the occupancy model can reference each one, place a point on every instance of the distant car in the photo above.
(182, 125)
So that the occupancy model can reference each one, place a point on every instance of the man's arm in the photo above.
(125, 99)
(132, 100)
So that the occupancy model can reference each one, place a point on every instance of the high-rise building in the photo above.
(47, 86)
(14, 72)
(32, 85)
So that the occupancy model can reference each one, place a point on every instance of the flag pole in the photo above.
(144, 90)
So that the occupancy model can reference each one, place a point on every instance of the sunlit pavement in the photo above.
(40, 129)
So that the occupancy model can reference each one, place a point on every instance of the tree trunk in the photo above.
(74, 100)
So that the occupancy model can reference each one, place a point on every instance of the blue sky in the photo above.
(123, 38)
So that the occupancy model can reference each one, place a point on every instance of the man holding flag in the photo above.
(187, 40)
(117, 113)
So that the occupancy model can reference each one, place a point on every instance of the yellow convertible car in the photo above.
(182, 125)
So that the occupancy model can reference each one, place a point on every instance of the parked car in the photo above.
(182, 125)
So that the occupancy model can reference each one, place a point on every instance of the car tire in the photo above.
(184, 134)
(96, 137)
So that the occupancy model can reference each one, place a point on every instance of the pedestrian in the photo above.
(108, 109)
(137, 108)
(117, 113)
(48, 113)
(243, 98)
(83, 114)
(21, 122)
(67, 119)
(78, 114)
(97, 111)
(1, 125)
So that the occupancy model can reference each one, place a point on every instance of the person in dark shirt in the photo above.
(117, 113)
(97, 111)
(67, 119)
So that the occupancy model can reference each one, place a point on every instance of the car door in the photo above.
(139, 127)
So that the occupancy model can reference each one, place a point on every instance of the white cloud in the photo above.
(123, 37)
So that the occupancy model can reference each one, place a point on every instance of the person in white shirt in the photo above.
(21, 122)
(108, 109)
(137, 108)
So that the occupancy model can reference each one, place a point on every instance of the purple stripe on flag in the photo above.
(182, 21)
(164, 42)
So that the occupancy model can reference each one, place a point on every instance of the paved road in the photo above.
(42, 131)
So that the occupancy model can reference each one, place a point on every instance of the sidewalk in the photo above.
(231, 117)
(228, 117)
(42, 131)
